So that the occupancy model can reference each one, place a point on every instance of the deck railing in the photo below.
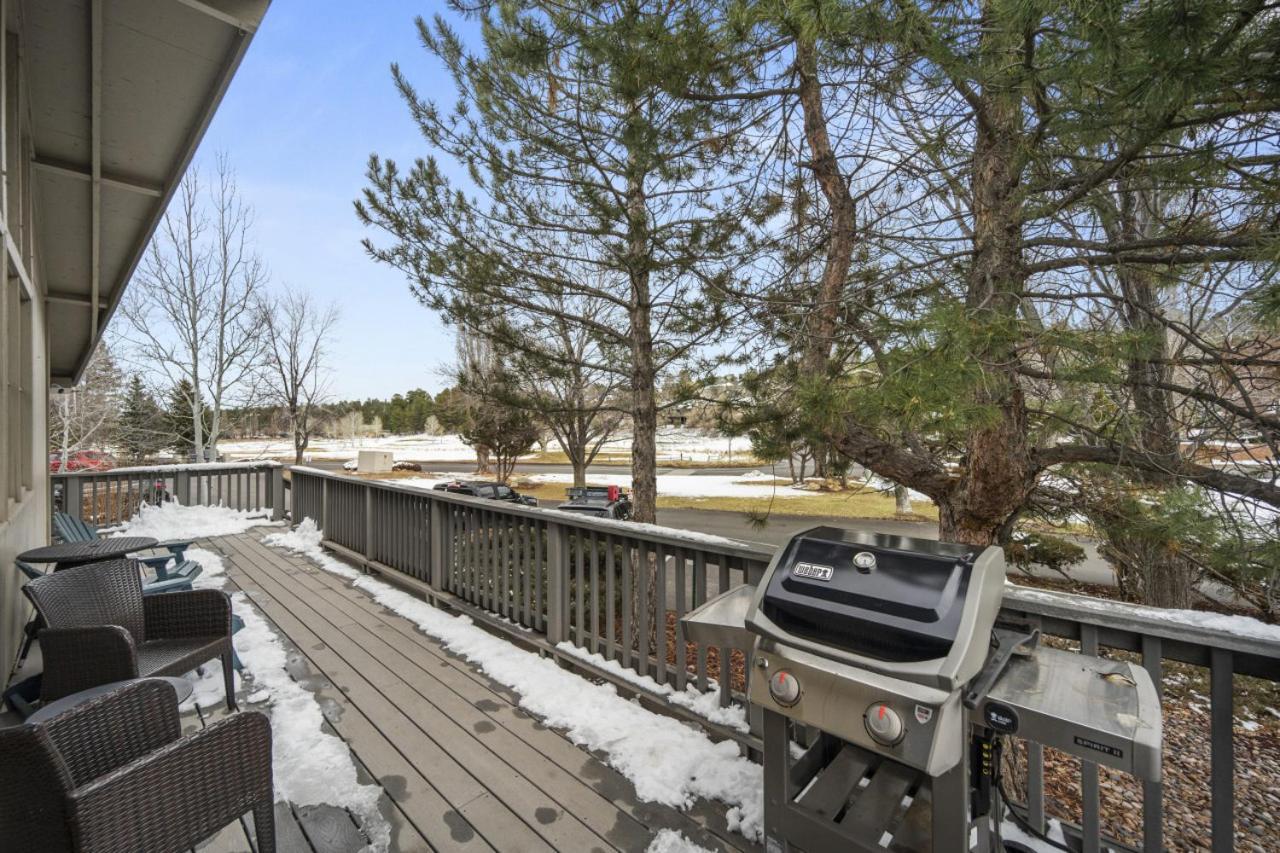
(619, 589)
(111, 497)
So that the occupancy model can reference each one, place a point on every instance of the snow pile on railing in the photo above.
(248, 465)
(1236, 626)
(172, 520)
(668, 762)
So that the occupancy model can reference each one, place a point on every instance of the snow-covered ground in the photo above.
(310, 766)
(674, 444)
(667, 762)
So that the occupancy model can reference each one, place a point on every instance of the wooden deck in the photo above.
(462, 767)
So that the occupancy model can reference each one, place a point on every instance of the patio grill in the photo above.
(886, 680)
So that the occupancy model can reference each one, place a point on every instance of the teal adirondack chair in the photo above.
(71, 529)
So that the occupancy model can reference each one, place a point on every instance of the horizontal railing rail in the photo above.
(619, 589)
(113, 496)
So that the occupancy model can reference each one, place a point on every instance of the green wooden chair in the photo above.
(71, 529)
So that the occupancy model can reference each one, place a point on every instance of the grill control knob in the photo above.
(883, 724)
(784, 688)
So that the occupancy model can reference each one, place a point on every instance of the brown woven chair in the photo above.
(102, 629)
(116, 774)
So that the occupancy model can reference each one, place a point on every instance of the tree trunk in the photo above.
(197, 424)
(644, 407)
(482, 459)
(644, 419)
(902, 500)
(835, 189)
(997, 471)
(1166, 579)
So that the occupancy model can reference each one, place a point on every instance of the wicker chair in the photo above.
(116, 774)
(102, 629)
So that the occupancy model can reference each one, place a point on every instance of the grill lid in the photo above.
(891, 598)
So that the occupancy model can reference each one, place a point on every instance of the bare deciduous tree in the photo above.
(192, 310)
(84, 416)
(296, 331)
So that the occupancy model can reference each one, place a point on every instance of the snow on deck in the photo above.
(668, 763)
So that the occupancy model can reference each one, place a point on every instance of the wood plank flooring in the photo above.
(462, 766)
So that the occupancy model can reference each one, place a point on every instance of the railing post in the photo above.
(1222, 758)
(368, 522)
(73, 497)
(436, 545)
(557, 583)
(324, 504)
(1153, 792)
(277, 493)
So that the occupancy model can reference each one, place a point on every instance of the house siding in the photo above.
(24, 386)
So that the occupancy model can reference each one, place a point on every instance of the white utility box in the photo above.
(374, 461)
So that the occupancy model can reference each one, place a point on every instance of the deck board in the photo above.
(463, 767)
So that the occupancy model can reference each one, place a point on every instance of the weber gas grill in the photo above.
(886, 678)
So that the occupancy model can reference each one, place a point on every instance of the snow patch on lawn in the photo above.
(705, 705)
(670, 841)
(673, 443)
(172, 520)
(668, 762)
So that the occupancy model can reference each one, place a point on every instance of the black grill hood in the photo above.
(908, 607)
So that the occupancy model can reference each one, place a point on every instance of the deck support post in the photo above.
(557, 583)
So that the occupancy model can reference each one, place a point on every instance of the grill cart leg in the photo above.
(951, 809)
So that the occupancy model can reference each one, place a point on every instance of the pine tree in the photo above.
(1069, 238)
(595, 180)
(140, 432)
(179, 427)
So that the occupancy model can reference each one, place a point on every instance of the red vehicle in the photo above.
(82, 460)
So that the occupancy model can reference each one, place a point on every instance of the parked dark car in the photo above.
(484, 489)
(598, 501)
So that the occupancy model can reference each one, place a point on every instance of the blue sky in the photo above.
(312, 99)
